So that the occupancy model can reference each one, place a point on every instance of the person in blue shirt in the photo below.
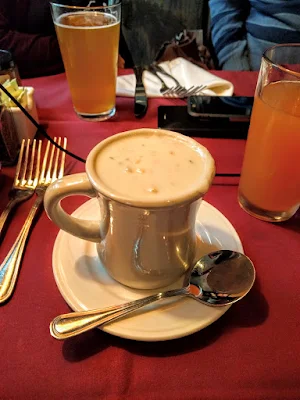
(241, 30)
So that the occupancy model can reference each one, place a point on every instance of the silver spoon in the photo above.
(217, 279)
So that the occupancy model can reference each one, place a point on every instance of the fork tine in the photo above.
(24, 169)
(48, 173)
(19, 163)
(179, 91)
(174, 92)
(63, 158)
(38, 162)
(198, 89)
(54, 173)
(168, 92)
(201, 88)
(29, 178)
(182, 92)
(42, 175)
(191, 91)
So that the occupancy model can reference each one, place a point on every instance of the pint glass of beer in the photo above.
(88, 36)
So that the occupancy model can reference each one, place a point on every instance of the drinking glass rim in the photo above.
(86, 7)
(280, 66)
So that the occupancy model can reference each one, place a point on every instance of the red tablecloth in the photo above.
(252, 352)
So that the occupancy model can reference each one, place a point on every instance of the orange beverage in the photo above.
(89, 42)
(270, 179)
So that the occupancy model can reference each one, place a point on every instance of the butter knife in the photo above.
(140, 98)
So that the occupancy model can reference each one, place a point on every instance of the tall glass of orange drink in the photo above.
(270, 181)
(88, 37)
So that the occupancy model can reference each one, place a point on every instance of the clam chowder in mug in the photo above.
(149, 183)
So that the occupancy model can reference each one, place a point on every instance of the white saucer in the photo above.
(84, 283)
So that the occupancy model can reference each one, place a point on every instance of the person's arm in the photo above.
(229, 37)
(35, 55)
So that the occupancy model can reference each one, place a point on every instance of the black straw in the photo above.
(44, 133)
(38, 126)
(233, 175)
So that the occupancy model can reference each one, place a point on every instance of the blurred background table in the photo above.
(252, 352)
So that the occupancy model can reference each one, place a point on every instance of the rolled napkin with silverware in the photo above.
(185, 72)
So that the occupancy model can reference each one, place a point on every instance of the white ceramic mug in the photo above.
(144, 242)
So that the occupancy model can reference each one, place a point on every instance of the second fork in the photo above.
(24, 182)
(175, 91)
(49, 173)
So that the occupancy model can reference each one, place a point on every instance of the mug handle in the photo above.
(68, 186)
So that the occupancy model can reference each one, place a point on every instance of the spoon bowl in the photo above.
(221, 278)
(217, 279)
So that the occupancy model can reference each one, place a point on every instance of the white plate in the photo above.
(84, 283)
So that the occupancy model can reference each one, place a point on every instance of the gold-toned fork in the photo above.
(50, 171)
(24, 183)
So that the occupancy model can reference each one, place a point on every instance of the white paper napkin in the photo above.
(187, 73)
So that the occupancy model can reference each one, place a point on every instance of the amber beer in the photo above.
(89, 43)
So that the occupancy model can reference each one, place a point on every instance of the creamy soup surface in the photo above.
(153, 167)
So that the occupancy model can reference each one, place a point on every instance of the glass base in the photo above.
(265, 215)
(97, 117)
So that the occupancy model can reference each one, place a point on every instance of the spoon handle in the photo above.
(67, 325)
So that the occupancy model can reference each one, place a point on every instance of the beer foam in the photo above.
(86, 20)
